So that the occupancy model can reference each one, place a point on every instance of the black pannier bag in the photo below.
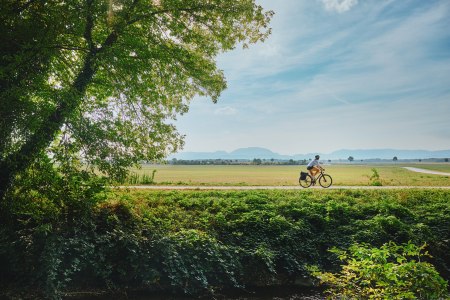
(303, 175)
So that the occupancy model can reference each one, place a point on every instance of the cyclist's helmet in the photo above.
(317, 156)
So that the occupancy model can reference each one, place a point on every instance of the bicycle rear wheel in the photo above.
(325, 181)
(307, 182)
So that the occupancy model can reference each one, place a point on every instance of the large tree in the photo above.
(104, 78)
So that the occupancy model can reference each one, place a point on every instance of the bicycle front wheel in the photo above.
(325, 181)
(307, 182)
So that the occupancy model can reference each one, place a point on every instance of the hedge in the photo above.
(202, 242)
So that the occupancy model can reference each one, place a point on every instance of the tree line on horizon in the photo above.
(255, 161)
(272, 161)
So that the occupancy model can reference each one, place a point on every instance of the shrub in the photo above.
(375, 179)
(135, 178)
(388, 272)
(198, 242)
(194, 263)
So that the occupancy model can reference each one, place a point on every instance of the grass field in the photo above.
(353, 175)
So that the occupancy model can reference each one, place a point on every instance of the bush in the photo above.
(134, 178)
(192, 262)
(199, 242)
(388, 272)
(45, 222)
(375, 179)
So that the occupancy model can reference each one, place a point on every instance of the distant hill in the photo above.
(389, 154)
(263, 153)
(242, 153)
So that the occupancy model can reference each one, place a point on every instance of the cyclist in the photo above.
(314, 167)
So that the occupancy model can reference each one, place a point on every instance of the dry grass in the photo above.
(352, 175)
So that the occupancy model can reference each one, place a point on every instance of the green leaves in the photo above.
(106, 79)
(194, 262)
(199, 242)
(389, 272)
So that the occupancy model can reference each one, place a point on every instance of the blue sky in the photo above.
(334, 74)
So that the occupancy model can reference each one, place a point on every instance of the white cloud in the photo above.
(376, 78)
(225, 111)
(339, 6)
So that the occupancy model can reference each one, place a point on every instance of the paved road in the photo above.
(193, 187)
(418, 170)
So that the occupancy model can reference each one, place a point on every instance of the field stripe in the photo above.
(418, 170)
(177, 187)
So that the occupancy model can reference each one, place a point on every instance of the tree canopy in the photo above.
(101, 80)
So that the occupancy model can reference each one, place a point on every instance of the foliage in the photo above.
(375, 178)
(134, 178)
(389, 272)
(44, 225)
(244, 162)
(106, 78)
(194, 261)
(201, 242)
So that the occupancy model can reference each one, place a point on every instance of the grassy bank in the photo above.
(201, 242)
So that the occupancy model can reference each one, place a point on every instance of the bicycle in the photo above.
(306, 180)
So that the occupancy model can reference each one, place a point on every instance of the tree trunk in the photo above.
(69, 100)
(5, 178)
(20, 160)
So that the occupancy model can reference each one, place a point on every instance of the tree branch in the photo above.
(164, 11)
(89, 25)
(64, 47)
(23, 7)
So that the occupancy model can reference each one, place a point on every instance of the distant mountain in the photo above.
(242, 153)
(388, 154)
(256, 152)
(263, 153)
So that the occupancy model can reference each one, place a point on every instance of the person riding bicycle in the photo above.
(314, 167)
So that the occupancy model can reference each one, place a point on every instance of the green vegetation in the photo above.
(136, 178)
(87, 90)
(375, 179)
(101, 81)
(343, 175)
(201, 242)
(388, 272)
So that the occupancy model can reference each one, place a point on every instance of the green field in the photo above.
(343, 175)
